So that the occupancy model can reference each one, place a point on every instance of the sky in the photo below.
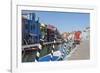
(65, 21)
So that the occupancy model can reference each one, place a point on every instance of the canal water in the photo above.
(60, 51)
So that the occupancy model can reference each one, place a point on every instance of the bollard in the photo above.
(52, 51)
(37, 56)
(38, 52)
(54, 41)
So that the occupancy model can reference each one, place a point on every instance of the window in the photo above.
(32, 26)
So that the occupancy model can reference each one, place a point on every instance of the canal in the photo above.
(59, 52)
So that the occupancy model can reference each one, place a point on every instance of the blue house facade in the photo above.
(30, 28)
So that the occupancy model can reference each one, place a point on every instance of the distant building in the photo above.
(51, 33)
(65, 35)
(86, 33)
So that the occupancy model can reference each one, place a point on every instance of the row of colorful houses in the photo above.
(33, 31)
